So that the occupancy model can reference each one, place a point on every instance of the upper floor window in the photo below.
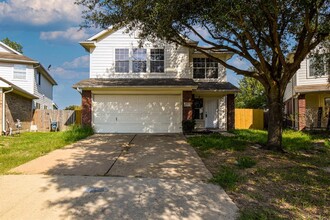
(157, 60)
(139, 60)
(122, 60)
(136, 60)
(39, 78)
(19, 72)
(318, 68)
(205, 68)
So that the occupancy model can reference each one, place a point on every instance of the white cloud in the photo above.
(62, 73)
(79, 62)
(73, 34)
(40, 12)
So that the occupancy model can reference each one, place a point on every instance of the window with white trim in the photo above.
(122, 61)
(139, 60)
(19, 72)
(205, 68)
(157, 60)
(318, 69)
(136, 60)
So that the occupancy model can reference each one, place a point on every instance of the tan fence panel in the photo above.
(249, 119)
(43, 117)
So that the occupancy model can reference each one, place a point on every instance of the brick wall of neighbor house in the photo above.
(302, 112)
(187, 111)
(230, 111)
(18, 107)
(86, 113)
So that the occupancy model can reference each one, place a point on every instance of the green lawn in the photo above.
(266, 184)
(19, 149)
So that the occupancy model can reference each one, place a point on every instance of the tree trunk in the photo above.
(275, 121)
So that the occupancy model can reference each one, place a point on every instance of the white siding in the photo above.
(44, 92)
(223, 114)
(7, 72)
(3, 49)
(303, 76)
(102, 58)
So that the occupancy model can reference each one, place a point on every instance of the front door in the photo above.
(211, 113)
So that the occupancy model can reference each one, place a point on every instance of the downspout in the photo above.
(4, 108)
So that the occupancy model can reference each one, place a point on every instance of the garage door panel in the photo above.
(137, 113)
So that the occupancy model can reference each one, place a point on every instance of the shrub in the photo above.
(188, 126)
(77, 132)
(245, 162)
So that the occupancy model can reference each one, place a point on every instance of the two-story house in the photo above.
(307, 97)
(24, 85)
(154, 87)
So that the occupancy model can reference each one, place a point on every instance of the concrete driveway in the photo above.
(92, 179)
(141, 155)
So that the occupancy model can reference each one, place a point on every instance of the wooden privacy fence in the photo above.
(42, 119)
(249, 118)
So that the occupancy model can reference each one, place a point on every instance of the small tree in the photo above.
(261, 32)
(252, 94)
(16, 46)
(73, 107)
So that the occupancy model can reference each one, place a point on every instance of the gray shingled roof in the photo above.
(216, 86)
(152, 82)
(16, 57)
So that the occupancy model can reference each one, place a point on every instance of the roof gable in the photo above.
(6, 49)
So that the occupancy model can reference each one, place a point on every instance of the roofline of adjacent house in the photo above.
(9, 48)
(33, 62)
(18, 90)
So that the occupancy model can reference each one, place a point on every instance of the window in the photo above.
(139, 60)
(317, 69)
(39, 78)
(122, 61)
(205, 68)
(45, 107)
(19, 72)
(157, 60)
(198, 109)
(38, 105)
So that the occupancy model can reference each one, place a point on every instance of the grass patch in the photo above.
(245, 162)
(226, 177)
(294, 185)
(16, 150)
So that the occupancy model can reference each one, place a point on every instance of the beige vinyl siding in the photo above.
(303, 76)
(288, 91)
(102, 58)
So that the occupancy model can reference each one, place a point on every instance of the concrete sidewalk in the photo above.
(65, 197)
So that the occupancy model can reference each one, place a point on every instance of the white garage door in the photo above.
(137, 113)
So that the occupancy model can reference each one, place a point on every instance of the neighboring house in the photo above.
(307, 98)
(153, 88)
(25, 85)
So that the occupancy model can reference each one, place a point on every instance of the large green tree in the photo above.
(252, 94)
(261, 32)
(16, 46)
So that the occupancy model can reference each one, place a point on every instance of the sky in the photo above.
(49, 32)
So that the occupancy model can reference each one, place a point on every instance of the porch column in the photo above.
(187, 105)
(301, 112)
(86, 103)
(230, 112)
